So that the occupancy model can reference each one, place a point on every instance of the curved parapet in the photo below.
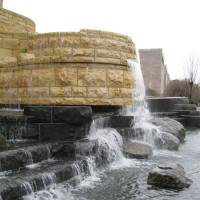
(84, 46)
(92, 74)
(13, 22)
(15, 30)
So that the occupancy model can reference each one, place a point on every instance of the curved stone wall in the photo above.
(13, 22)
(15, 30)
(65, 83)
(84, 46)
(84, 68)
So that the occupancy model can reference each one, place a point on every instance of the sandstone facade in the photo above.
(73, 68)
(64, 83)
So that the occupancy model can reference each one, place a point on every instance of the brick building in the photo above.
(154, 71)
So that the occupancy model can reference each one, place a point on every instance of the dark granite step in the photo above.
(184, 107)
(20, 157)
(18, 184)
(190, 120)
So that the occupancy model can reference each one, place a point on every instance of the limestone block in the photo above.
(15, 78)
(41, 43)
(47, 52)
(85, 42)
(69, 42)
(127, 93)
(16, 52)
(1, 42)
(117, 101)
(22, 92)
(116, 92)
(97, 101)
(21, 36)
(38, 92)
(5, 52)
(93, 33)
(97, 92)
(60, 91)
(105, 34)
(83, 52)
(107, 54)
(11, 43)
(91, 77)
(126, 56)
(129, 80)
(128, 101)
(25, 56)
(12, 93)
(107, 60)
(61, 59)
(7, 61)
(63, 51)
(79, 91)
(113, 45)
(43, 77)
(53, 42)
(66, 76)
(115, 77)
(82, 59)
(25, 79)
(23, 44)
(73, 101)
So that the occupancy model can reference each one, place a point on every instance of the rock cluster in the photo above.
(172, 133)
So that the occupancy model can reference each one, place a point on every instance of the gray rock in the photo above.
(137, 149)
(167, 141)
(2, 142)
(170, 126)
(169, 176)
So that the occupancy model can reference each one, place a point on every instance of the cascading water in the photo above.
(140, 109)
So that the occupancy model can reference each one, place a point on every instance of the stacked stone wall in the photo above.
(15, 30)
(83, 68)
(66, 84)
(11, 44)
(84, 46)
(13, 22)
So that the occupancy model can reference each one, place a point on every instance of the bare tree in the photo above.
(192, 70)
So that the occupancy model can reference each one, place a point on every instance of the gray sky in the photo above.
(172, 25)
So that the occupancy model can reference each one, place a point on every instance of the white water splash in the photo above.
(140, 109)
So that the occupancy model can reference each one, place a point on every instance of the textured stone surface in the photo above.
(82, 68)
(2, 142)
(62, 131)
(137, 149)
(170, 126)
(169, 176)
(72, 115)
(167, 141)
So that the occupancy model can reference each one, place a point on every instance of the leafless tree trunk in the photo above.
(192, 70)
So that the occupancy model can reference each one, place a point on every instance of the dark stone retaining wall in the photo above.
(60, 122)
(165, 104)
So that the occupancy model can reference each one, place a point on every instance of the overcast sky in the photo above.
(172, 25)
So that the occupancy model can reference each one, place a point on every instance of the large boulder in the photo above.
(167, 141)
(137, 149)
(170, 126)
(2, 142)
(169, 176)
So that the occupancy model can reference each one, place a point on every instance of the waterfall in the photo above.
(140, 109)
